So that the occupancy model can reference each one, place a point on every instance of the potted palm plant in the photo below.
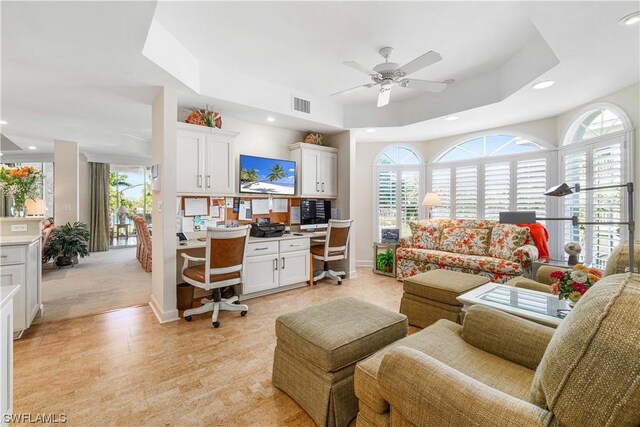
(67, 242)
(384, 261)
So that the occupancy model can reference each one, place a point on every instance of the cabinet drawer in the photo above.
(12, 255)
(262, 248)
(294, 245)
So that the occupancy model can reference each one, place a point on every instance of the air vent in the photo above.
(301, 105)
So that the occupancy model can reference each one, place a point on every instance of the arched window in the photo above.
(398, 178)
(488, 174)
(595, 153)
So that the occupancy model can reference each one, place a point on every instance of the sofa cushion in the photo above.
(470, 241)
(442, 285)
(505, 239)
(469, 223)
(471, 262)
(590, 372)
(425, 234)
(443, 342)
(339, 332)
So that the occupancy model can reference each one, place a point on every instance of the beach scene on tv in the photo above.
(267, 176)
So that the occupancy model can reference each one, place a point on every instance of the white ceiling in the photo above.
(75, 71)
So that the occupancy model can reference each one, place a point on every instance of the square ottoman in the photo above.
(431, 296)
(317, 350)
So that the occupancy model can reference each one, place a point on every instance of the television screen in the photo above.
(267, 176)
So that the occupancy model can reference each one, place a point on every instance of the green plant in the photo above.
(384, 259)
(68, 241)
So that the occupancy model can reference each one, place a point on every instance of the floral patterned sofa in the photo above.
(484, 247)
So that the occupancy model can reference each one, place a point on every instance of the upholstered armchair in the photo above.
(501, 370)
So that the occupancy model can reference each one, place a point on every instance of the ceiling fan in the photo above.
(389, 73)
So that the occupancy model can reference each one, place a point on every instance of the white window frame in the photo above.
(380, 168)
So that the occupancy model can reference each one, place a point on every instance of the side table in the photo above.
(380, 247)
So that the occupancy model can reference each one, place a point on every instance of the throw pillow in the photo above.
(505, 239)
(425, 234)
(468, 241)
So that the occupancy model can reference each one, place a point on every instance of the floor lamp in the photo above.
(564, 190)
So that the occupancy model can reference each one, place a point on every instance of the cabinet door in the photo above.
(190, 158)
(219, 167)
(261, 273)
(294, 267)
(14, 275)
(6, 352)
(310, 173)
(329, 174)
(32, 280)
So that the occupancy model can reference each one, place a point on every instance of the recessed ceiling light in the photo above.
(451, 118)
(370, 130)
(2, 122)
(543, 85)
(630, 19)
(31, 147)
(271, 119)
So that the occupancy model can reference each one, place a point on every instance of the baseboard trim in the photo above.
(163, 317)
(364, 263)
(353, 274)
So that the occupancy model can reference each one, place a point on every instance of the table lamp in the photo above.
(122, 211)
(36, 207)
(430, 200)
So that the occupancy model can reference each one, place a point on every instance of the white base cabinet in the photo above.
(6, 351)
(274, 264)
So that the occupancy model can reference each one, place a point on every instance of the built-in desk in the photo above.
(273, 264)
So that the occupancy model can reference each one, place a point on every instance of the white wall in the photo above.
(550, 130)
(66, 180)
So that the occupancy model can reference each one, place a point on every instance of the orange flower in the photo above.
(554, 289)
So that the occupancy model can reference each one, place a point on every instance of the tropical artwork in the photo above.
(267, 176)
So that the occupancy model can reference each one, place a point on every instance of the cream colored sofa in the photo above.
(500, 370)
(497, 251)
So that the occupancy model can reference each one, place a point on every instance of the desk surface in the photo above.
(195, 243)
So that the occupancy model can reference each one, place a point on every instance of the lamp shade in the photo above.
(431, 199)
(122, 210)
(36, 207)
(559, 190)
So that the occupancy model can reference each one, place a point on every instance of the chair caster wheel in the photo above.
(216, 324)
(187, 318)
(243, 313)
(237, 302)
(339, 282)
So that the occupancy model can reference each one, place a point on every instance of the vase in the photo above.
(18, 211)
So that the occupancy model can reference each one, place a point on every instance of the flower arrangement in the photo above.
(572, 284)
(21, 183)
(205, 117)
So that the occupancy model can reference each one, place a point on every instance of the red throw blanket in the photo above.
(540, 237)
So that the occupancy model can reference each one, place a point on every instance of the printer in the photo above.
(267, 229)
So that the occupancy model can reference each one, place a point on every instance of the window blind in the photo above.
(497, 187)
(531, 184)
(466, 192)
(575, 171)
(387, 203)
(410, 200)
(441, 184)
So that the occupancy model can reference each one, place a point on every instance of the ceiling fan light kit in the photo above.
(388, 73)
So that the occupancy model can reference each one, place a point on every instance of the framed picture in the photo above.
(195, 206)
(390, 235)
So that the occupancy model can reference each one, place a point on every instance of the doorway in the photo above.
(130, 194)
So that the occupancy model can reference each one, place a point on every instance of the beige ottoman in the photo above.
(317, 351)
(431, 296)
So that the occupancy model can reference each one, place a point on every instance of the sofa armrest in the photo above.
(509, 337)
(532, 285)
(525, 254)
(406, 242)
(427, 392)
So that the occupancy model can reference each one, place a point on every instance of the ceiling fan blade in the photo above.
(384, 95)
(353, 89)
(421, 62)
(425, 85)
(360, 68)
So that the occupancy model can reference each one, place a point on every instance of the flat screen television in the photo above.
(260, 175)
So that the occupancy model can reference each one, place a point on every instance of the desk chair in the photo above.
(334, 249)
(222, 266)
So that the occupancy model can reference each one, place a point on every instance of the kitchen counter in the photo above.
(17, 239)
(7, 292)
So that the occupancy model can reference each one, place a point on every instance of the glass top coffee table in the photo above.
(540, 307)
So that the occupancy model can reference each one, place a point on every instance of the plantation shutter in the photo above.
(497, 189)
(410, 201)
(531, 177)
(575, 172)
(387, 200)
(466, 192)
(441, 184)
(606, 204)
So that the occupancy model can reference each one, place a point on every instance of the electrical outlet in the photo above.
(66, 208)
(18, 227)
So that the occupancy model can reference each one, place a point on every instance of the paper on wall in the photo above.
(228, 202)
(280, 205)
(214, 212)
(187, 225)
(244, 213)
(295, 215)
(259, 206)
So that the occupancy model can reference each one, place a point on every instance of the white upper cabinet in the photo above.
(205, 160)
(317, 170)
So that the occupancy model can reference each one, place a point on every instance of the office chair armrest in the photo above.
(188, 258)
(319, 240)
